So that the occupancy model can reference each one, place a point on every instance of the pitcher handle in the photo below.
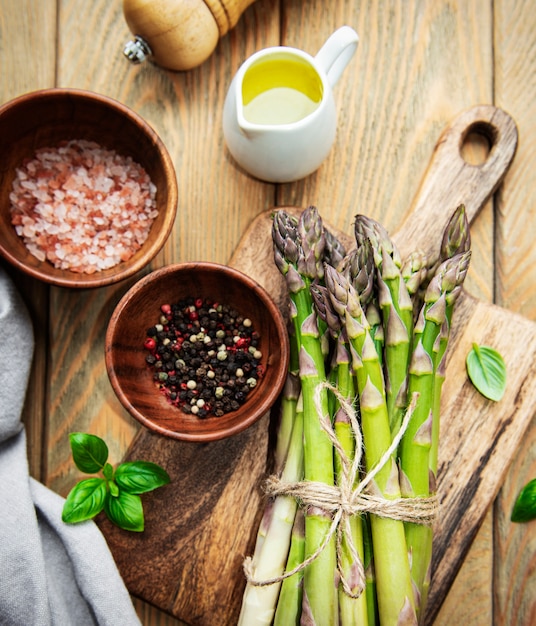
(335, 54)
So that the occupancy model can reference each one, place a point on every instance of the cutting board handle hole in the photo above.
(477, 142)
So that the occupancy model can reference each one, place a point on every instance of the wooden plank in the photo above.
(194, 556)
(28, 38)
(515, 544)
(470, 598)
(28, 58)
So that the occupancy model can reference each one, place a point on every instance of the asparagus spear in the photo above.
(456, 240)
(310, 265)
(334, 250)
(415, 272)
(259, 602)
(358, 266)
(393, 579)
(352, 602)
(289, 399)
(288, 611)
(456, 236)
(397, 314)
(415, 446)
(370, 575)
(310, 230)
(331, 321)
(273, 536)
(298, 251)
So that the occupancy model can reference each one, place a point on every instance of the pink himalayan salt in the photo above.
(82, 207)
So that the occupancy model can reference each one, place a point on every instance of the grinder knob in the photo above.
(178, 34)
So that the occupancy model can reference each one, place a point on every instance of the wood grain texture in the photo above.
(515, 544)
(418, 65)
(472, 471)
(470, 598)
(514, 554)
(216, 202)
(193, 523)
(22, 71)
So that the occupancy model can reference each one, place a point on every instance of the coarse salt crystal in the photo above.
(80, 206)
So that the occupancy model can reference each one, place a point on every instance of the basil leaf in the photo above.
(525, 506)
(113, 488)
(140, 476)
(90, 452)
(108, 471)
(85, 500)
(125, 511)
(487, 370)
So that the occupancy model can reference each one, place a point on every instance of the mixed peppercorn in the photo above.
(205, 356)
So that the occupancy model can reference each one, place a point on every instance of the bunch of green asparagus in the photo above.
(346, 537)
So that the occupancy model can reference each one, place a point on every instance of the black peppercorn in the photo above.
(204, 355)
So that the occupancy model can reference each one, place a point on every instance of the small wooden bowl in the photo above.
(139, 309)
(46, 117)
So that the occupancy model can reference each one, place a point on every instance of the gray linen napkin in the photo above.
(51, 573)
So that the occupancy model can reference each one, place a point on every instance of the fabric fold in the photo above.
(52, 573)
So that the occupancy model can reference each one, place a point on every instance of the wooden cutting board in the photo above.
(199, 528)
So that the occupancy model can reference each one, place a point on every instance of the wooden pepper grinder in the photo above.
(178, 34)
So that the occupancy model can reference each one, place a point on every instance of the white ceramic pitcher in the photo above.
(279, 117)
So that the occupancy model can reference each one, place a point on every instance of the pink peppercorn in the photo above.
(150, 343)
(166, 309)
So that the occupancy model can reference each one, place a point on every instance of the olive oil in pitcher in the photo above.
(280, 90)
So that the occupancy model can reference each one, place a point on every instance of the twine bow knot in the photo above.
(348, 498)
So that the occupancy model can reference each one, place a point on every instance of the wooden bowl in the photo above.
(139, 309)
(46, 117)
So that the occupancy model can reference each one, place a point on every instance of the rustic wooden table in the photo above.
(419, 63)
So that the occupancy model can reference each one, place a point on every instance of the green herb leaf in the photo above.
(140, 476)
(113, 488)
(487, 370)
(125, 511)
(85, 500)
(90, 452)
(108, 471)
(525, 506)
(117, 493)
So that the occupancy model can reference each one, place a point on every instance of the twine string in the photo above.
(349, 497)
